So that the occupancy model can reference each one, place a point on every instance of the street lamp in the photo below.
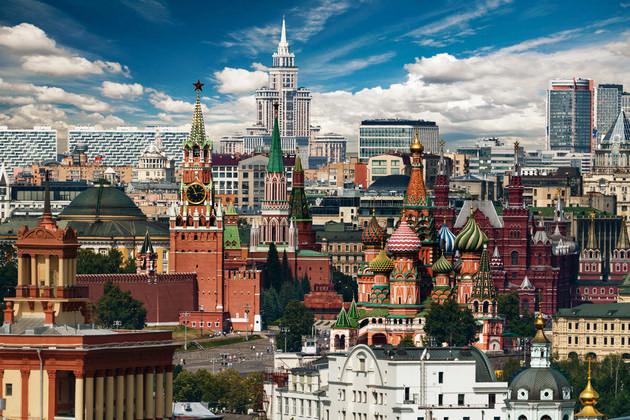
(186, 315)
(246, 306)
(117, 324)
(284, 331)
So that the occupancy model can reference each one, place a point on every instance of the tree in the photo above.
(345, 285)
(298, 320)
(511, 366)
(306, 284)
(8, 275)
(287, 276)
(273, 269)
(116, 305)
(451, 323)
(89, 262)
(407, 341)
(271, 309)
(520, 323)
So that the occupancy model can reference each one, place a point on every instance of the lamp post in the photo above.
(117, 324)
(284, 331)
(246, 306)
(186, 315)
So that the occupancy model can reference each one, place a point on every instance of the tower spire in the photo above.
(197, 128)
(589, 398)
(47, 220)
(275, 152)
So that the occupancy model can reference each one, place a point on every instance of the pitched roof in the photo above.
(275, 153)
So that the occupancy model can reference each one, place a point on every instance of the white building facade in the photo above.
(20, 148)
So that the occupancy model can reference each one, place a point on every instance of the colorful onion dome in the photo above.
(457, 264)
(373, 234)
(404, 239)
(447, 239)
(442, 266)
(471, 238)
(382, 263)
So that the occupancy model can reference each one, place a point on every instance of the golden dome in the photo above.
(589, 398)
(416, 147)
(540, 325)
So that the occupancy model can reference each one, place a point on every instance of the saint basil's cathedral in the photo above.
(436, 253)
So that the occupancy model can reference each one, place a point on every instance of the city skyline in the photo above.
(476, 69)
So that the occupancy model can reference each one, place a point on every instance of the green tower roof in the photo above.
(197, 129)
(343, 322)
(275, 153)
(353, 312)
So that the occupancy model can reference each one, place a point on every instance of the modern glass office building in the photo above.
(608, 105)
(20, 148)
(124, 145)
(381, 136)
(570, 115)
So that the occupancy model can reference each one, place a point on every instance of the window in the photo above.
(407, 394)
(492, 399)
(440, 399)
(569, 339)
(8, 390)
(612, 341)
(440, 377)
(460, 399)
(594, 340)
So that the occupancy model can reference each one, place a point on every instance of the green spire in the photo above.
(275, 153)
(147, 246)
(342, 320)
(298, 163)
(197, 129)
(298, 204)
(231, 237)
(353, 312)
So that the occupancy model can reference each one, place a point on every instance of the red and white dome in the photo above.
(404, 240)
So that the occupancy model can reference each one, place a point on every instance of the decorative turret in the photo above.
(146, 261)
(541, 344)
(484, 293)
(589, 398)
(447, 239)
(231, 238)
(416, 191)
(515, 188)
(404, 240)
(442, 266)
(197, 129)
(343, 332)
(275, 152)
(441, 187)
(591, 259)
(620, 258)
(300, 210)
(382, 264)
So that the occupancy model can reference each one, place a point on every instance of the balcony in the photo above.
(51, 292)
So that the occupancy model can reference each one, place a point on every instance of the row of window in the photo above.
(606, 341)
(575, 325)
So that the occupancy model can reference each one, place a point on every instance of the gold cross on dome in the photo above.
(516, 146)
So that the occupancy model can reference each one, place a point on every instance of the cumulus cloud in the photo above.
(55, 95)
(121, 90)
(161, 100)
(27, 38)
(491, 94)
(232, 80)
(67, 66)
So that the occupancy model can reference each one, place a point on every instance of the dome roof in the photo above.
(382, 263)
(537, 381)
(471, 238)
(404, 239)
(442, 266)
(102, 202)
(373, 234)
(447, 239)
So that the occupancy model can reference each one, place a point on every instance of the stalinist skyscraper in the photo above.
(294, 104)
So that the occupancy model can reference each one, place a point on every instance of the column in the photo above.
(168, 392)
(149, 403)
(139, 394)
(52, 393)
(99, 395)
(159, 392)
(47, 271)
(129, 413)
(89, 396)
(25, 374)
(1, 387)
(33, 270)
(109, 395)
(79, 411)
(62, 271)
(120, 394)
(21, 272)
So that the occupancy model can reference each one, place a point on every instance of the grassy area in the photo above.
(179, 332)
(218, 342)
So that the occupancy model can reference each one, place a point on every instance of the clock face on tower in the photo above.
(195, 193)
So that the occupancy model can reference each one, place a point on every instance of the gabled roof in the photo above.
(619, 133)
(484, 206)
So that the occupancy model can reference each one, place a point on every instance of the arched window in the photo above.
(540, 259)
(486, 306)
(514, 256)
(476, 304)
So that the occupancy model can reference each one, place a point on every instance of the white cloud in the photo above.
(121, 90)
(27, 38)
(102, 121)
(161, 100)
(55, 95)
(17, 100)
(240, 80)
(57, 65)
(494, 94)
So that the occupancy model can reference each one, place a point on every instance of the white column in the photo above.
(79, 411)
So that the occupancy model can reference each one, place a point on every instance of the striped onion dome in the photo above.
(442, 266)
(447, 239)
(471, 238)
(457, 267)
(404, 239)
(382, 263)
(373, 234)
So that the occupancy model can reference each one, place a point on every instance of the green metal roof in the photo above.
(103, 203)
(596, 310)
(275, 153)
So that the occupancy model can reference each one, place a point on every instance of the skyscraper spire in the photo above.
(284, 57)
(275, 153)
(283, 37)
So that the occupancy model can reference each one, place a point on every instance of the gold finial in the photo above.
(374, 207)
(592, 214)
(416, 147)
(442, 143)
(275, 109)
(589, 398)
(516, 147)
(540, 325)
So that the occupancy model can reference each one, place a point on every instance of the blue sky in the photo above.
(477, 68)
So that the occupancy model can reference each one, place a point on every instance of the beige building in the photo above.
(387, 164)
(592, 330)
(344, 245)
(329, 145)
(154, 165)
(610, 183)
(334, 175)
(460, 163)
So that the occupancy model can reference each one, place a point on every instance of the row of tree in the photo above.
(226, 391)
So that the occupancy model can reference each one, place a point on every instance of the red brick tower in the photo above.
(196, 227)
(441, 189)
(300, 210)
(591, 260)
(620, 259)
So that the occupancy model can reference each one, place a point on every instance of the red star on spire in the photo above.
(198, 85)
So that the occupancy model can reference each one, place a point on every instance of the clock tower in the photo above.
(196, 224)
